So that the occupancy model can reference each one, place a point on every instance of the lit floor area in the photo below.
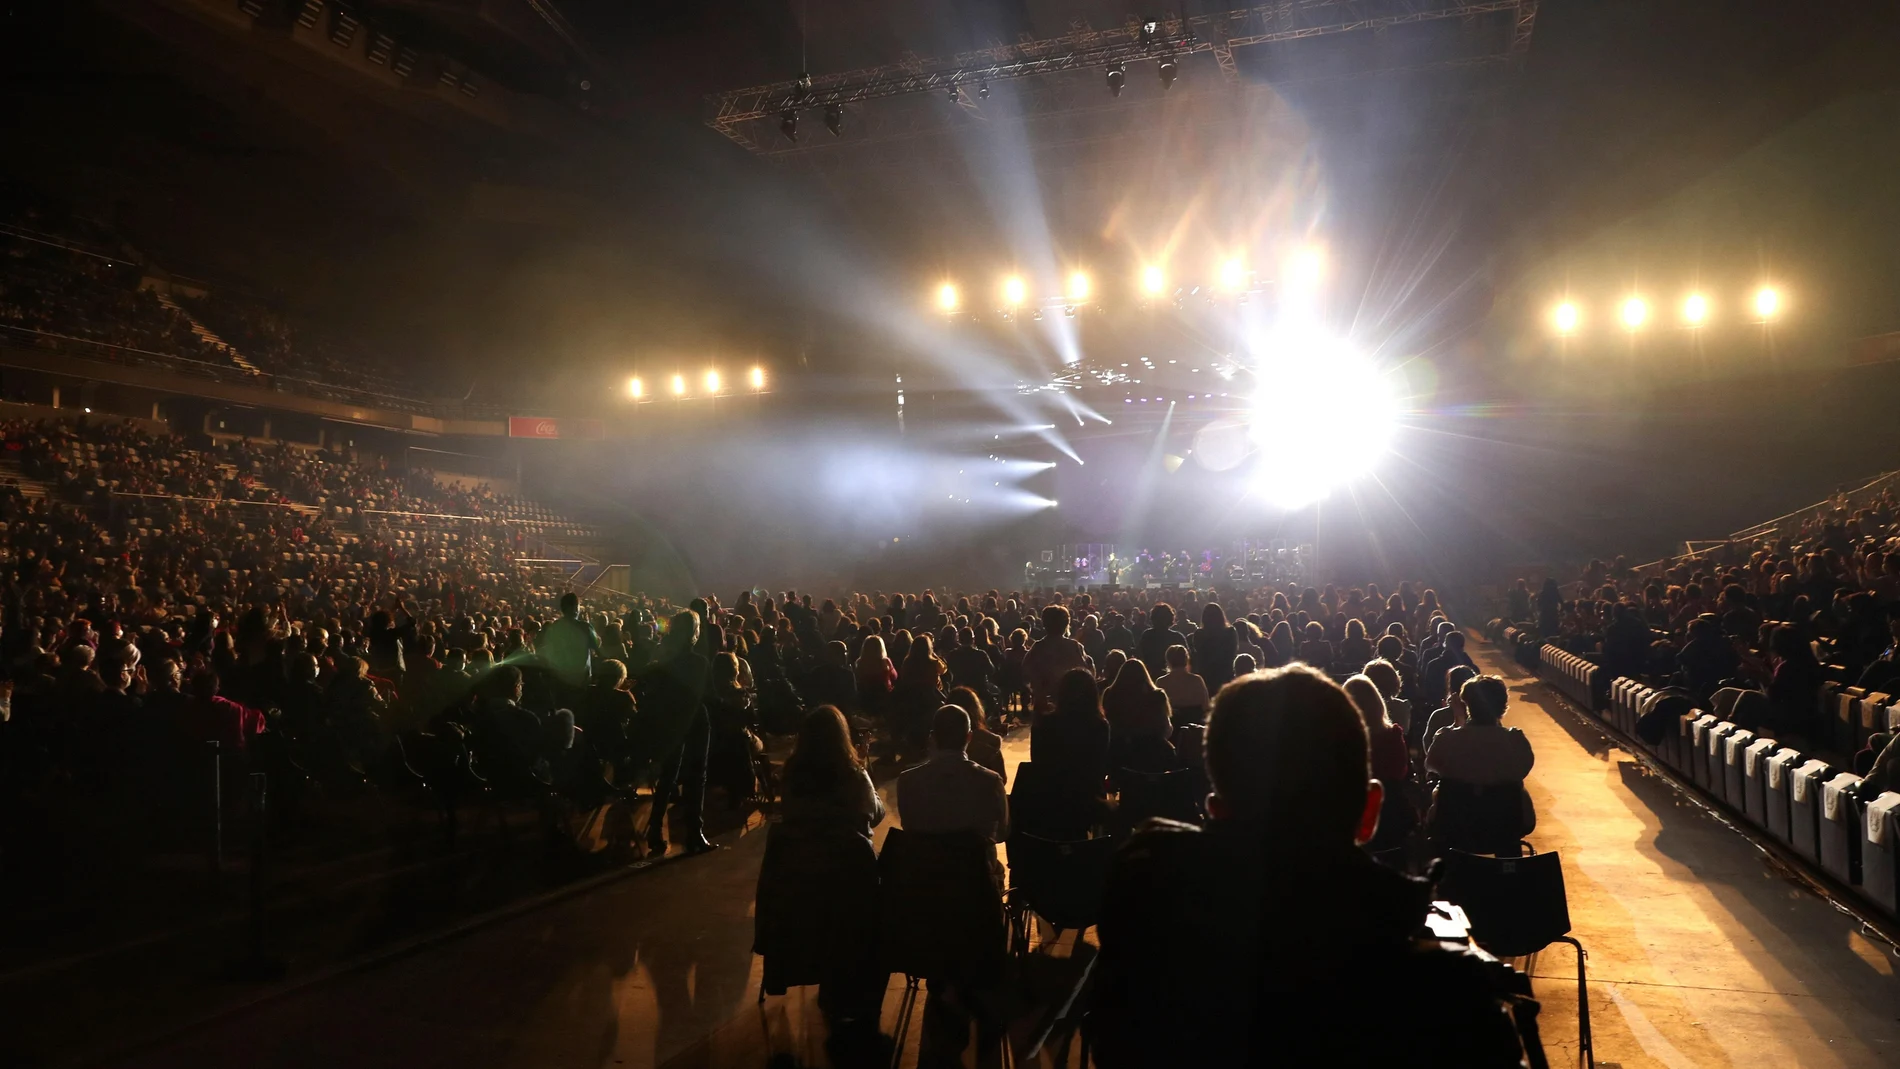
(1700, 955)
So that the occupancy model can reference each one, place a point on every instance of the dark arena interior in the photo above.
(498, 572)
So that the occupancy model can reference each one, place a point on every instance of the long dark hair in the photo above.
(1076, 694)
(823, 755)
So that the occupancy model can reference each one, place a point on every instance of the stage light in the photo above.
(788, 125)
(1117, 77)
(1233, 274)
(758, 378)
(1305, 268)
(1015, 291)
(1168, 72)
(1634, 313)
(1079, 286)
(712, 382)
(1153, 280)
(1301, 455)
(1566, 317)
(679, 386)
(834, 119)
(636, 388)
(947, 297)
(1767, 303)
(1695, 309)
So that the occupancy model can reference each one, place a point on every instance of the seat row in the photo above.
(1796, 799)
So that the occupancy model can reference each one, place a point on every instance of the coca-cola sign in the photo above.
(543, 427)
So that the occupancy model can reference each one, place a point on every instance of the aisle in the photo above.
(1700, 953)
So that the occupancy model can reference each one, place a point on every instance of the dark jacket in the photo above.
(1220, 950)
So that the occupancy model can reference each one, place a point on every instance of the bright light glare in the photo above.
(1767, 302)
(758, 378)
(1695, 309)
(1635, 312)
(1015, 290)
(679, 386)
(1079, 286)
(1302, 455)
(1233, 274)
(1153, 280)
(712, 382)
(1305, 268)
(1566, 317)
(947, 297)
(636, 388)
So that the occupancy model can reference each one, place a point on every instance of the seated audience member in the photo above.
(1385, 675)
(1795, 682)
(1152, 647)
(819, 880)
(1482, 751)
(1881, 673)
(1235, 945)
(1216, 645)
(1707, 658)
(1450, 654)
(832, 681)
(1452, 714)
(1139, 722)
(1391, 762)
(1244, 665)
(986, 747)
(1069, 744)
(949, 792)
(1187, 692)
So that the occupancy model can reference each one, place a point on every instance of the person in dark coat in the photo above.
(671, 695)
(1214, 647)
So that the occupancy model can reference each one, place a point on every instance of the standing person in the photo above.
(671, 694)
(1187, 692)
(1215, 646)
(1152, 646)
(875, 676)
(1051, 659)
(1292, 799)
(568, 647)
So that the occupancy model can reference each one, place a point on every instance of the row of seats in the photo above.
(1797, 799)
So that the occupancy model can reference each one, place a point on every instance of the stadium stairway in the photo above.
(206, 334)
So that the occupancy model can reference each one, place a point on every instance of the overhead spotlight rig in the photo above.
(1152, 40)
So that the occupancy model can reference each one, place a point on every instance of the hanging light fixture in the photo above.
(1117, 78)
(1168, 72)
(788, 125)
(834, 118)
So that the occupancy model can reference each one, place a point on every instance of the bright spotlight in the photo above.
(1566, 317)
(1078, 286)
(947, 297)
(679, 386)
(1233, 274)
(1634, 313)
(712, 382)
(1695, 309)
(1305, 268)
(1015, 291)
(758, 378)
(1153, 280)
(1767, 303)
(636, 388)
(1302, 458)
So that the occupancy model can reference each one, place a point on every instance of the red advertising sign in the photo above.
(543, 427)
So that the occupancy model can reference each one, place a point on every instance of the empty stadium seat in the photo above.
(1880, 852)
(1838, 836)
(1695, 759)
(1755, 781)
(1734, 749)
(1804, 808)
(1714, 750)
(1779, 789)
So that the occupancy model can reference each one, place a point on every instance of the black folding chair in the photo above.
(1517, 907)
(1060, 881)
(1172, 795)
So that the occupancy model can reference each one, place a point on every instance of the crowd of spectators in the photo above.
(1768, 620)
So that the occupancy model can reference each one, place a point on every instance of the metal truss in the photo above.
(1219, 35)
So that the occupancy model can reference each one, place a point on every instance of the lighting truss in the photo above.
(1220, 34)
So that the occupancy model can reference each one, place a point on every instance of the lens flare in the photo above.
(1695, 309)
(1015, 291)
(1233, 274)
(679, 386)
(1153, 280)
(1566, 317)
(758, 378)
(636, 388)
(1634, 313)
(1767, 303)
(948, 298)
(712, 382)
(1302, 455)
(1079, 286)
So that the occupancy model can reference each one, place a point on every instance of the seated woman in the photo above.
(1480, 804)
(986, 747)
(1139, 721)
(818, 883)
(1187, 692)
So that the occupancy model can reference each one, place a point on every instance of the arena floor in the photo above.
(1701, 955)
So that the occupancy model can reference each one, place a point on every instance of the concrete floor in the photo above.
(1700, 955)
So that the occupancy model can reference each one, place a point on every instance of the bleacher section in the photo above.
(1804, 802)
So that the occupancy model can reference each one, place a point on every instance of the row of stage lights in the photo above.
(712, 384)
(1302, 271)
(1634, 312)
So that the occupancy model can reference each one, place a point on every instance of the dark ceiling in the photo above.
(630, 223)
